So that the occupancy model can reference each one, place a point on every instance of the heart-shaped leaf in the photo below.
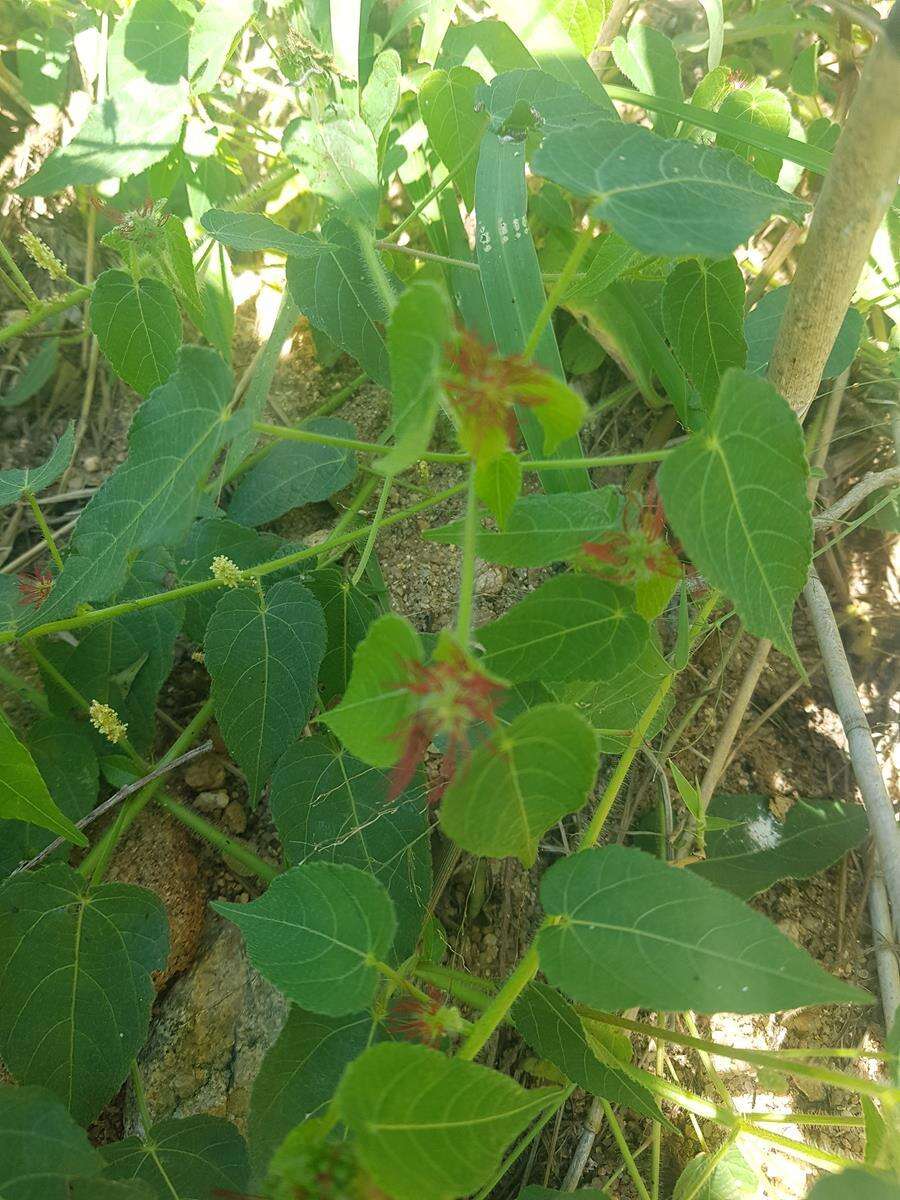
(521, 780)
(349, 611)
(192, 1158)
(263, 651)
(138, 326)
(735, 495)
(75, 966)
(703, 314)
(314, 932)
(634, 931)
(454, 123)
(571, 627)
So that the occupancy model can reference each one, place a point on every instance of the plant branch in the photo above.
(467, 565)
(129, 789)
(48, 309)
(45, 529)
(854, 199)
(866, 486)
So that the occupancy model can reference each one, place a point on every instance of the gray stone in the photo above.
(209, 1034)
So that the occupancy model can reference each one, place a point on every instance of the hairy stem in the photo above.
(48, 309)
(45, 529)
(467, 566)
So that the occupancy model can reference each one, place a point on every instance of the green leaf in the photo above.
(513, 289)
(581, 19)
(23, 793)
(252, 231)
(761, 328)
(447, 104)
(608, 258)
(263, 651)
(333, 288)
(138, 326)
(664, 197)
(732, 1178)
(218, 302)
(15, 482)
(349, 611)
(735, 496)
(378, 700)
(804, 73)
(42, 64)
(42, 1150)
(765, 107)
(854, 1184)
(68, 765)
(37, 372)
(553, 1030)
(299, 1075)
(378, 101)
(497, 485)
(314, 932)
(541, 529)
(524, 778)
(295, 473)
(438, 15)
(192, 1158)
(649, 60)
(441, 1126)
(761, 850)
(182, 256)
(571, 627)
(703, 316)
(635, 931)
(207, 540)
(152, 497)
(340, 159)
(75, 966)
(141, 118)
(419, 326)
(331, 807)
(618, 703)
(216, 26)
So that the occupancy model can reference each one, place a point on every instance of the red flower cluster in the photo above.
(453, 694)
(484, 388)
(34, 588)
(640, 550)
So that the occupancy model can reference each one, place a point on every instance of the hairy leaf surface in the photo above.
(23, 793)
(16, 481)
(138, 326)
(703, 315)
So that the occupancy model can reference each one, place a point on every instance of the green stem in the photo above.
(350, 515)
(289, 433)
(400, 981)
(46, 310)
(428, 197)
(98, 615)
(467, 566)
(710, 1165)
(140, 1097)
(499, 1006)
(45, 529)
(373, 531)
(630, 1164)
(334, 402)
(558, 291)
(469, 989)
(427, 255)
(12, 266)
(11, 284)
(759, 1058)
(370, 248)
(224, 844)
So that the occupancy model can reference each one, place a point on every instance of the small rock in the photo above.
(92, 464)
(205, 774)
(209, 1034)
(235, 817)
(489, 581)
(211, 801)
(317, 537)
(812, 1089)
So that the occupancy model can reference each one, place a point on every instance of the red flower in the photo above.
(484, 388)
(34, 588)
(452, 695)
(640, 550)
(427, 1022)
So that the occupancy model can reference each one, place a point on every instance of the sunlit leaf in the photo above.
(455, 126)
(635, 931)
(215, 28)
(649, 60)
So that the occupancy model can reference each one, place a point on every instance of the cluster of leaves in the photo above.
(171, 546)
